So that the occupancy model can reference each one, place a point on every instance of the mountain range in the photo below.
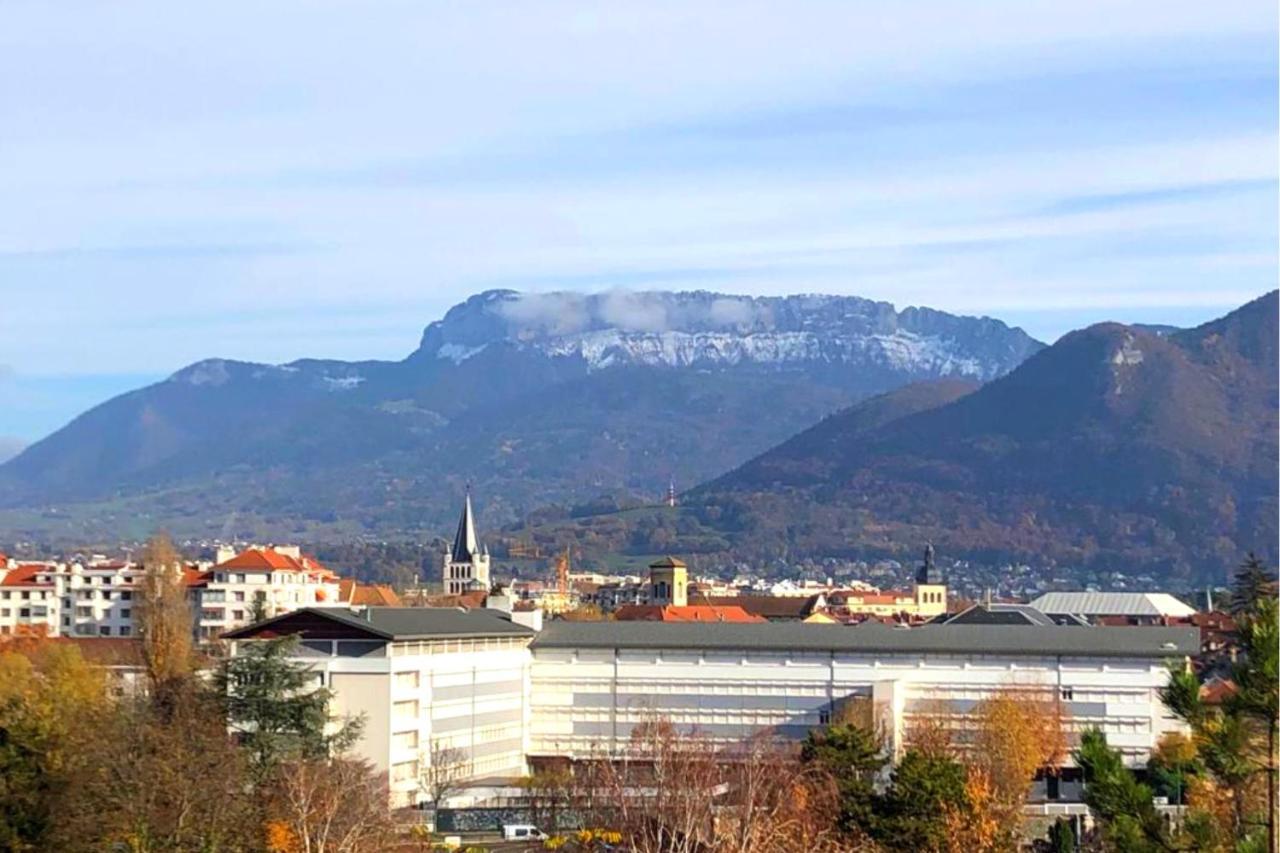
(1117, 446)
(530, 398)
(1125, 449)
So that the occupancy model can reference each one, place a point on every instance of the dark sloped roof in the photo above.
(465, 542)
(999, 614)
(397, 623)
(1153, 642)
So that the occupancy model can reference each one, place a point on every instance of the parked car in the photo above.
(522, 832)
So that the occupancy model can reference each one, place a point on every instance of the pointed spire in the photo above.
(465, 543)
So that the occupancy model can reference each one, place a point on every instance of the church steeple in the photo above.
(465, 543)
(928, 572)
(466, 562)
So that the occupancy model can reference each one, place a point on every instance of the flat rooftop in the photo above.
(1030, 640)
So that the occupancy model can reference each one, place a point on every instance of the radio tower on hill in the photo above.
(671, 492)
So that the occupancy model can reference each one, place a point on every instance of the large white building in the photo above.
(585, 685)
(429, 682)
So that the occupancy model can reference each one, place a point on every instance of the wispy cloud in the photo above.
(269, 182)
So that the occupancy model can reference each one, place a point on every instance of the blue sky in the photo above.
(271, 181)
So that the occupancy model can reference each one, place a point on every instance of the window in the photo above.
(405, 710)
(405, 771)
(126, 613)
(126, 595)
(25, 613)
(104, 630)
(407, 680)
(26, 596)
(5, 611)
(125, 631)
(84, 612)
(238, 595)
(824, 717)
(404, 740)
(1067, 694)
(211, 615)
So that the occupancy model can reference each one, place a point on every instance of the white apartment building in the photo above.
(99, 598)
(587, 684)
(430, 682)
(276, 580)
(29, 602)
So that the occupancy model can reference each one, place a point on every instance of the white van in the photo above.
(522, 832)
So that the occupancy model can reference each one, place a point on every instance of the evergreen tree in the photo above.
(853, 755)
(1122, 804)
(1254, 582)
(911, 813)
(276, 709)
(1062, 838)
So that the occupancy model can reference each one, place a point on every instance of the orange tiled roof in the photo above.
(688, 613)
(377, 595)
(1216, 691)
(195, 577)
(24, 576)
(266, 559)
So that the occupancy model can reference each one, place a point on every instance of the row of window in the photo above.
(25, 595)
(441, 647)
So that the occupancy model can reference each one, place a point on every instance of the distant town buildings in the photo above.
(100, 597)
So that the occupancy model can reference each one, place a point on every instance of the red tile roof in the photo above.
(24, 576)
(267, 559)
(688, 613)
(378, 595)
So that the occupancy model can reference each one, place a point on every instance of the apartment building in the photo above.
(264, 581)
(99, 597)
(433, 684)
(29, 602)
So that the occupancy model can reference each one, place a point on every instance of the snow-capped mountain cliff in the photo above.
(702, 329)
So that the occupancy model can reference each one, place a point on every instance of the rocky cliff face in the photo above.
(703, 329)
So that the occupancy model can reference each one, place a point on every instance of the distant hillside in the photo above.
(533, 399)
(1114, 447)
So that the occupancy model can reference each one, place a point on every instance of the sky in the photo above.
(268, 181)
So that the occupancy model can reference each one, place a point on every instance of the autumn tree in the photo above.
(441, 770)
(1173, 765)
(550, 793)
(51, 705)
(1237, 740)
(1016, 734)
(160, 778)
(164, 616)
(776, 803)
(327, 805)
